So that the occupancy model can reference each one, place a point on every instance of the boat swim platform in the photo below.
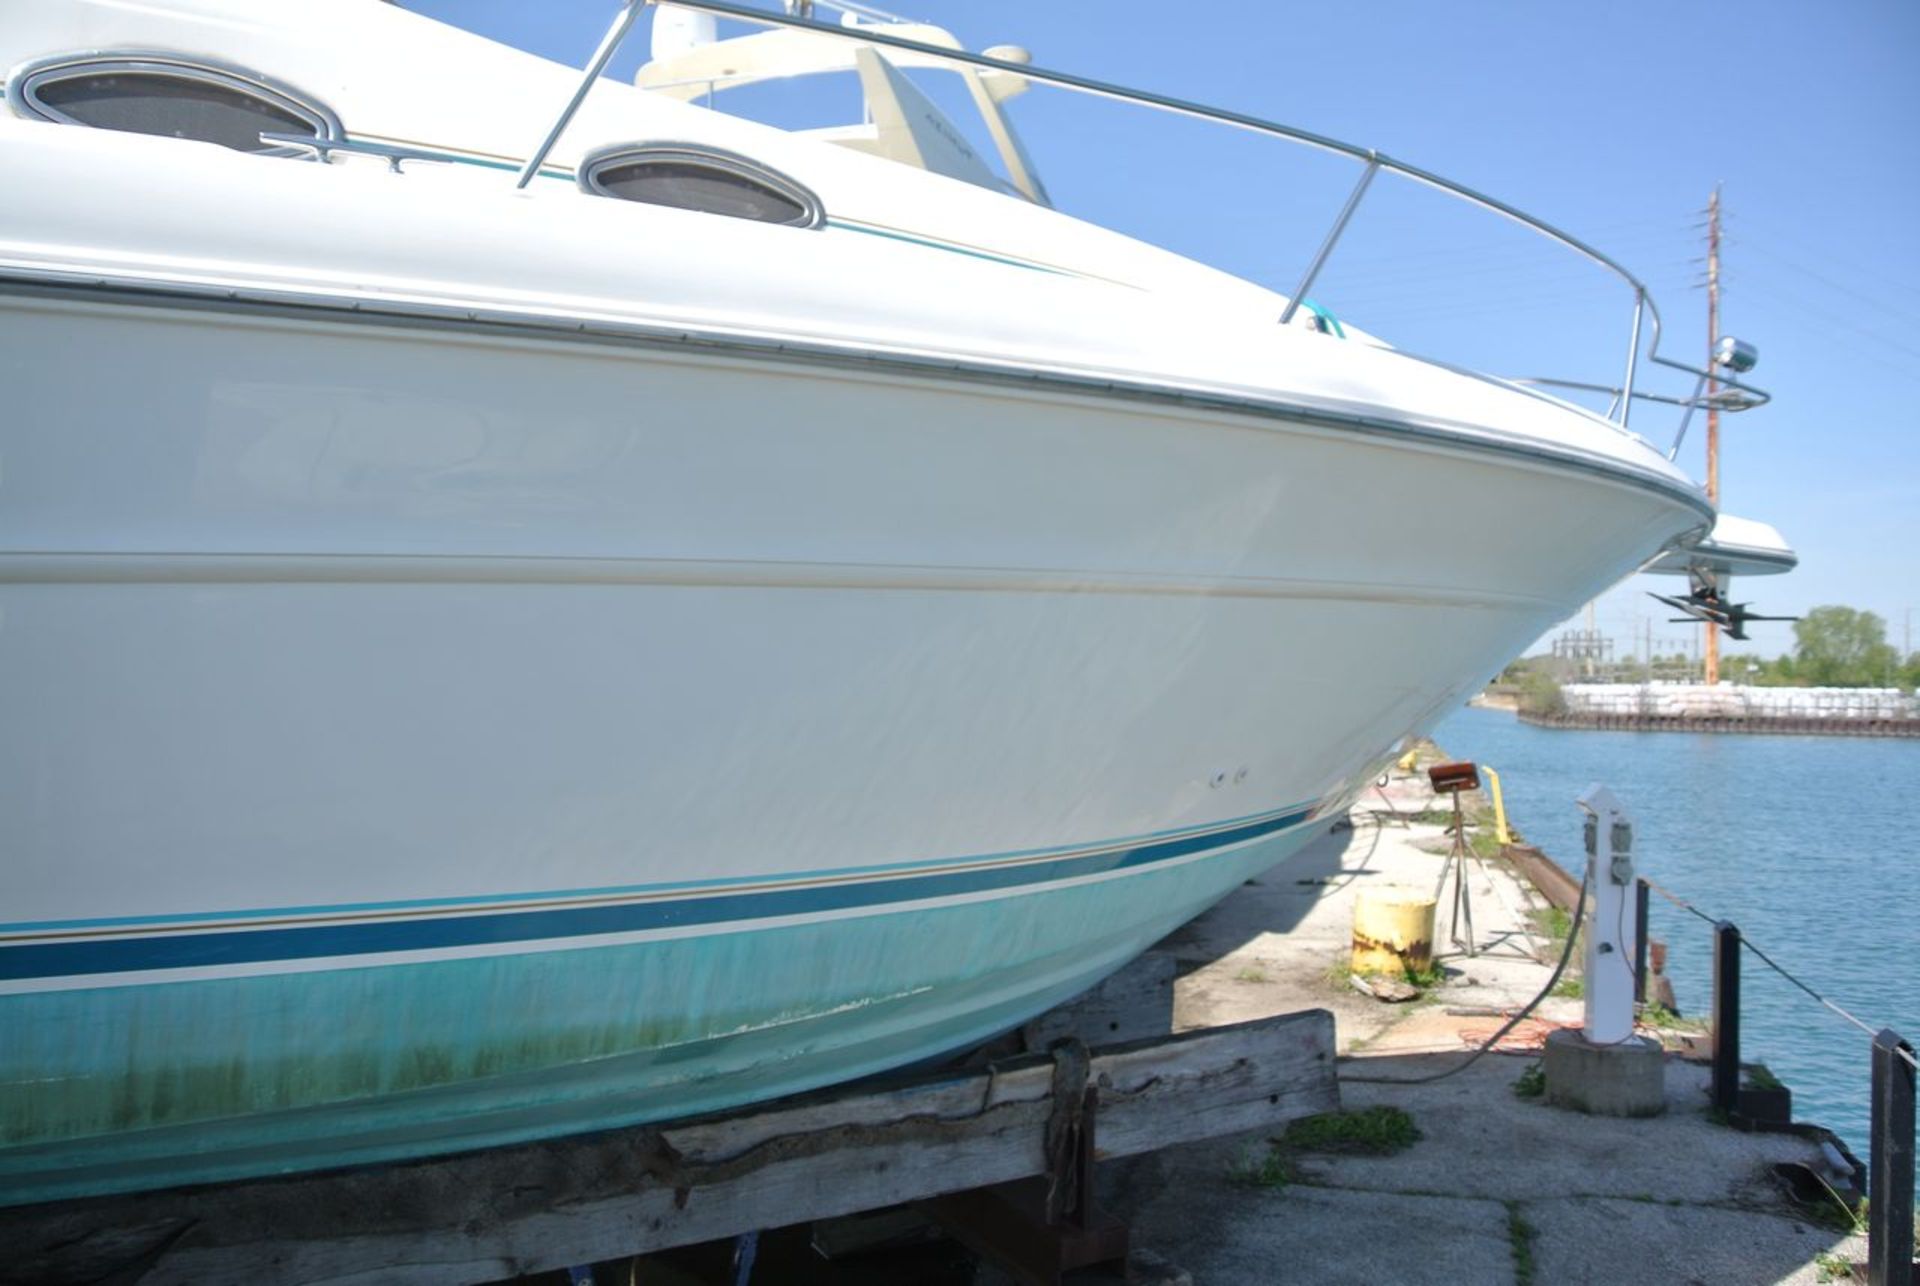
(999, 1152)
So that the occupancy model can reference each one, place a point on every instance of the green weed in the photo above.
(1532, 1083)
(1833, 1267)
(1554, 923)
(1426, 979)
(1520, 1237)
(1269, 1169)
(1370, 1131)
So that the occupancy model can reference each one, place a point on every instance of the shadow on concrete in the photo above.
(1495, 1182)
(1277, 900)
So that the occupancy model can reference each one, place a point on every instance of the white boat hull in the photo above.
(421, 738)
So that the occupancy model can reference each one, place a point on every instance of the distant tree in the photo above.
(1842, 647)
(1539, 694)
(1518, 669)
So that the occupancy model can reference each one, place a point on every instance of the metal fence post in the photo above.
(1890, 1169)
(1640, 941)
(1726, 1016)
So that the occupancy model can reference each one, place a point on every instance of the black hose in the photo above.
(1566, 954)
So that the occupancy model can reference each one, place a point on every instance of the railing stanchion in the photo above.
(1890, 1164)
(622, 23)
(1699, 387)
(1640, 941)
(1333, 237)
(1726, 1016)
(1633, 354)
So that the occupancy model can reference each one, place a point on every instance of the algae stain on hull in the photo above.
(615, 1030)
(137, 1099)
(243, 1077)
(132, 1058)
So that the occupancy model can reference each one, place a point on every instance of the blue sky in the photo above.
(1613, 121)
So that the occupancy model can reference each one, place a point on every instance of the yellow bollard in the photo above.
(1500, 831)
(1392, 932)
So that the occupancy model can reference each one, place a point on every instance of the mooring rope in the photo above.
(1775, 965)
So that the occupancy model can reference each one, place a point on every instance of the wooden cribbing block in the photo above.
(1135, 1003)
(487, 1215)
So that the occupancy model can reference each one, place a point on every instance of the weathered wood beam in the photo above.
(495, 1214)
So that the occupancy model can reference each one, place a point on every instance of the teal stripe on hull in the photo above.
(253, 946)
(123, 1088)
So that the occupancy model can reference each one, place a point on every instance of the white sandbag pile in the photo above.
(1731, 701)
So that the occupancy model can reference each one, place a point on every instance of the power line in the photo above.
(1465, 294)
(1875, 271)
(1445, 244)
(1833, 318)
(1435, 283)
(1439, 261)
(1863, 296)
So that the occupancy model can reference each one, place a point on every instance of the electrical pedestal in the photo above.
(1624, 1079)
(1605, 1068)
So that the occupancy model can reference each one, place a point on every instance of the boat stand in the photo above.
(1001, 1154)
(1043, 1227)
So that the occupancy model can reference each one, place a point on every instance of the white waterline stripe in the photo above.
(90, 567)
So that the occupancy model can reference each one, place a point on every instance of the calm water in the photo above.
(1807, 843)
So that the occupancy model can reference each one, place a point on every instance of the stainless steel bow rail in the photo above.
(1890, 1168)
(868, 29)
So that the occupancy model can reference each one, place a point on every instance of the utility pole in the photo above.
(1592, 638)
(1906, 640)
(1711, 674)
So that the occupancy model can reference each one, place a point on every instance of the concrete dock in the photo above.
(1497, 1187)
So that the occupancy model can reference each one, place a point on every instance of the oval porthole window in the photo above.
(171, 97)
(697, 178)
